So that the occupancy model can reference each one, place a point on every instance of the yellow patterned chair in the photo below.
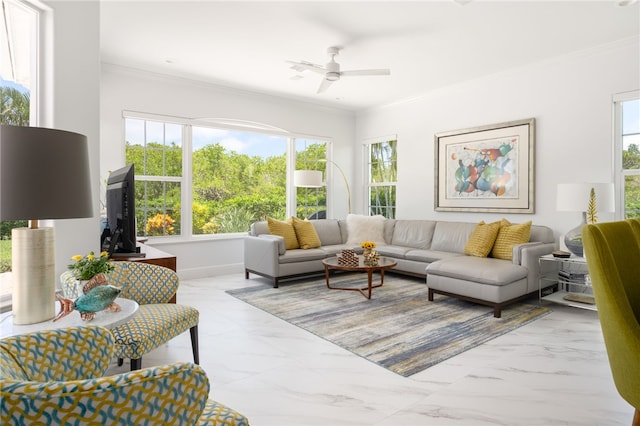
(54, 377)
(157, 321)
(612, 250)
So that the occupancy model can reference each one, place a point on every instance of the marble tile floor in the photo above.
(553, 371)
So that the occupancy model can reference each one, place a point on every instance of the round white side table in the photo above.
(128, 308)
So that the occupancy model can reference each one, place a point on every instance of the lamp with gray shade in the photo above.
(574, 197)
(44, 174)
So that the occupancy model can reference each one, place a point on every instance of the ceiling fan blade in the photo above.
(365, 72)
(324, 85)
(306, 66)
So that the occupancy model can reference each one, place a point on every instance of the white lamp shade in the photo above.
(307, 178)
(574, 197)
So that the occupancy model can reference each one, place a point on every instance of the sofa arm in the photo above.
(528, 256)
(261, 254)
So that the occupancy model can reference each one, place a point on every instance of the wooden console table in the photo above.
(152, 256)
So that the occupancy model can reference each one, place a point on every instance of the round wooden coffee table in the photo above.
(383, 264)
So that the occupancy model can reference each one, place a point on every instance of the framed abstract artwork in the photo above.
(486, 169)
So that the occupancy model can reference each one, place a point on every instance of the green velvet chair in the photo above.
(55, 377)
(612, 250)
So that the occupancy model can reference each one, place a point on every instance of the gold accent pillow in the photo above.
(306, 233)
(284, 229)
(482, 238)
(508, 236)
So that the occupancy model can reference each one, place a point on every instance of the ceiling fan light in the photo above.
(333, 76)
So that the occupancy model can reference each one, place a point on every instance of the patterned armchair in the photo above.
(55, 377)
(156, 321)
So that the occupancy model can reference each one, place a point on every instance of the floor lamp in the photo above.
(44, 174)
(313, 179)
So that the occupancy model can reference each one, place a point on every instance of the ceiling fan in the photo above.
(331, 71)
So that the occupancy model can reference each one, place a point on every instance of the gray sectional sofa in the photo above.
(422, 248)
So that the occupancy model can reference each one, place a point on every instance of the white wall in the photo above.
(570, 97)
(132, 90)
(571, 100)
(74, 100)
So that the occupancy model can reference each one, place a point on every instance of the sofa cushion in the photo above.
(542, 234)
(477, 269)
(429, 256)
(451, 236)
(329, 231)
(365, 228)
(509, 236)
(397, 252)
(306, 234)
(413, 233)
(482, 238)
(295, 256)
(389, 227)
(284, 229)
(334, 249)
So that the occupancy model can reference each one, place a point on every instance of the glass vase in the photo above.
(573, 238)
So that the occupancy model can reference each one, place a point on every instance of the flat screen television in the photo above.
(121, 213)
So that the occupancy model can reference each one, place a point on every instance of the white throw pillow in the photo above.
(365, 228)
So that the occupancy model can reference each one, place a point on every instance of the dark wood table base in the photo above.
(330, 264)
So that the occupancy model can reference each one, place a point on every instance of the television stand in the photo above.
(116, 255)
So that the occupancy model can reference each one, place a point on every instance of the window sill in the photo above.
(6, 286)
(158, 241)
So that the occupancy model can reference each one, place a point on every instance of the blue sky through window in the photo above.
(251, 144)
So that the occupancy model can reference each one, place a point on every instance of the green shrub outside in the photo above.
(5, 255)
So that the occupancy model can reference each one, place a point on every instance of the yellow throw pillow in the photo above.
(482, 239)
(306, 233)
(508, 236)
(284, 229)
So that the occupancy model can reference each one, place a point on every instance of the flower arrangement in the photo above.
(86, 267)
(368, 245)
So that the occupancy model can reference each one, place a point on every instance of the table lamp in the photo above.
(576, 197)
(313, 179)
(44, 174)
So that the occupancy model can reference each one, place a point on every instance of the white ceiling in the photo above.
(426, 44)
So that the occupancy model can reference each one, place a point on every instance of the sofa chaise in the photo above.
(430, 249)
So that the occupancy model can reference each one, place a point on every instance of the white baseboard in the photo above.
(210, 271)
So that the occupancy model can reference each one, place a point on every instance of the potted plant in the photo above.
(86, 267)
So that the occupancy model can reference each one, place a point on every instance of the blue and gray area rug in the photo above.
(398, 328)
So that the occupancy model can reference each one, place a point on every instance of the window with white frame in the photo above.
(20, 51)
(311, 155)
(627, 140)
(193, 178)
(381, 166)
(155, 150)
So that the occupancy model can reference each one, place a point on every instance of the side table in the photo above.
(128, 308)
(571, 277)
